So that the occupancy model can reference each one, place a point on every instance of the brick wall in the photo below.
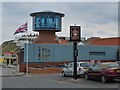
(22, 66)
(44, 70)
(104, 41)
(46, 36)
(33, 67)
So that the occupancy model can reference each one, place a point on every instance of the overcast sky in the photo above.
(97, 19)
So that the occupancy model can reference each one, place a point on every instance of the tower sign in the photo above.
(46, 23)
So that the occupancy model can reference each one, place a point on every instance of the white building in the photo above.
(26, 38)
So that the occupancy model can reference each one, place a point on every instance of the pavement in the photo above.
(8, 71)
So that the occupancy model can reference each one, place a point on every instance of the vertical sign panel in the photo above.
(75, 33)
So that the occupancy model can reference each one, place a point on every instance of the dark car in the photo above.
(104, 72)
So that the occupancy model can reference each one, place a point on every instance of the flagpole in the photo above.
(23, 28)
(27, 63)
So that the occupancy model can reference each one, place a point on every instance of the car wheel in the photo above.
(86, 77)
(103, 79)
(63, 74)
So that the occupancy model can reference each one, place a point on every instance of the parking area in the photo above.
(53, 81)
(80, 81)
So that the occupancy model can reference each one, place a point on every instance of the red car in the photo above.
(104, 72)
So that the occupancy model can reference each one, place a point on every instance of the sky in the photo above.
(97, 18)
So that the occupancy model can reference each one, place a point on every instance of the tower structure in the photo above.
(47, 23)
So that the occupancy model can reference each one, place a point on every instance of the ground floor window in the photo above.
(97, 53)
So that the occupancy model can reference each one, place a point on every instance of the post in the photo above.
(75, 59)
(27, 62)
(75, 36)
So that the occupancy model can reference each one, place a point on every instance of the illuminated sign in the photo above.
(47, 22)
(75, 33)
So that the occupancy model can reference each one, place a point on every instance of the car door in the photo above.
(95, 72)
(69, 69)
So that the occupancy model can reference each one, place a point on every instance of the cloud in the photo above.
(62, 1)
(95, 18)
(0, 22)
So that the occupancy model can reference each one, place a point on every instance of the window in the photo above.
(85, 65)
(47, 22)
(37, 22)
(97, 53)
(70, 65)
(96, 67)
(13, 55)
(43, 22)
(113, 65)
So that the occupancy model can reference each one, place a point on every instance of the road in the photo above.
(52, 81)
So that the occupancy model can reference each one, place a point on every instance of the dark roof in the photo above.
(48, 12)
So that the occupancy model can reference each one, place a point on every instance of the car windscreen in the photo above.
(85, 65)
(113, 65)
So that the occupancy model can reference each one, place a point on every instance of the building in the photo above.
(47, 49)
(115, 41)
(47, 23)
(26, 38)
(60, 53)
(10, 58)
(1, 59)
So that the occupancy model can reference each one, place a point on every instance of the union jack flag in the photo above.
(21, 29)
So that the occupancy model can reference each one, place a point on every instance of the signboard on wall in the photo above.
(75, 33)
(10, 55)
(44, 53)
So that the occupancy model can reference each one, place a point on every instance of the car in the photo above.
(104, 72)
(118, 62)
(68, 70)
(11, 66)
